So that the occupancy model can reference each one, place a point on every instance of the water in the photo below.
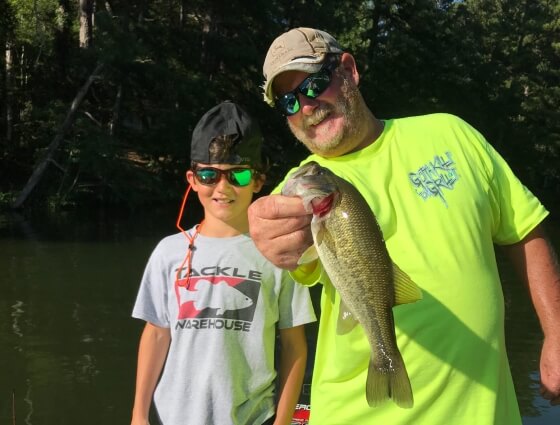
(68, 344)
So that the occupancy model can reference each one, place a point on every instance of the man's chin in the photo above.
(326, 149)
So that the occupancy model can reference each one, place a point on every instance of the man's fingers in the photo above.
(277, 215)
(290, 248)
(554, 398)
(277, 206)
(279, 226)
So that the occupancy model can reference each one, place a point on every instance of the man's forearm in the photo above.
(537, 265)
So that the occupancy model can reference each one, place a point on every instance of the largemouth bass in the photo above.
(350, 245)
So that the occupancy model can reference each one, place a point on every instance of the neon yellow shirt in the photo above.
(443, 196)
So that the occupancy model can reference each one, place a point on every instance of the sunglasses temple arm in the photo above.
(185, 196)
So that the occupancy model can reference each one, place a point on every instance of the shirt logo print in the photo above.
(221, 297)
(432, 178)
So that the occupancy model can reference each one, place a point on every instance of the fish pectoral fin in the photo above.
(406, 291)
(320, 235)
(309, 255)
(346, 320)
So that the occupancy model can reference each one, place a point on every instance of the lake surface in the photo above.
(67, 342)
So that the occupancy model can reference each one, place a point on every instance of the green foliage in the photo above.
(35, 21)
(494, 63)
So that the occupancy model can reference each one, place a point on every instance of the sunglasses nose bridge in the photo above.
(306, 94)
(223, 180)
(307, 104)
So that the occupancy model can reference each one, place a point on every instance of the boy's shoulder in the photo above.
(171, 242)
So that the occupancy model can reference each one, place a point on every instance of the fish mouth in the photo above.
(322, 205)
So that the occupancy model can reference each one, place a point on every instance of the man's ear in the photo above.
(349, 67)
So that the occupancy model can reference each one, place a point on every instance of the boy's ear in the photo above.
(192, 180)
(259, 183)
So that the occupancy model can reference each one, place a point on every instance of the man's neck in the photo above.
(373, 128)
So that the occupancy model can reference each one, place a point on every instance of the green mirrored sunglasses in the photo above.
(210, 176)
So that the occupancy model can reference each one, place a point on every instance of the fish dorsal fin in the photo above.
(406, 291)
(346, 320)
(309, 255)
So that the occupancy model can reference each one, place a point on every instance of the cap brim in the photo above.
(308, 64)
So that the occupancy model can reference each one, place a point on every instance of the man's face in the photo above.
(328, 124)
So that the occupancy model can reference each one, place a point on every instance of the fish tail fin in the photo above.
(384, 385)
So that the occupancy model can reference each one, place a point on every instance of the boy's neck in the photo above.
(219, 229)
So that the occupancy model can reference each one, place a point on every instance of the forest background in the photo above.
(98, 99)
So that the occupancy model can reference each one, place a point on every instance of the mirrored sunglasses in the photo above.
(210, 176)
(312, 87)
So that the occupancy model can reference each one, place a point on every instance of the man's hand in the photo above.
(537, 264)
(550, 371)
(279, 225)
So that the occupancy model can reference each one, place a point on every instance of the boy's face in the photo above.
(223, 201)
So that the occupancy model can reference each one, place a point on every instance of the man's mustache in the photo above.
(319, 114)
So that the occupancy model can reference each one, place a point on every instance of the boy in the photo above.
(212, 302)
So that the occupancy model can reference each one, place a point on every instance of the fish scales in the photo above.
(369, 270)
(350, 245)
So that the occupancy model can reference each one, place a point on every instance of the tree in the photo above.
(86, 23)
(493, 62)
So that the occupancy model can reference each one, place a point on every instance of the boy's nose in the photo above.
(223, 182)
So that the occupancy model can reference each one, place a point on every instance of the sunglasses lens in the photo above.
(288, 104)
(315, 84)
(312, 87)
(241, 177)
(207, 175)
(237, 177)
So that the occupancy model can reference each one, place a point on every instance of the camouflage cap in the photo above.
(300, 49)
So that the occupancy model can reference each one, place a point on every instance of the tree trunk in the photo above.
(70, 117)
(62, 39)
(86, 23)
(116, 111)
(183, 13)
(9, 93)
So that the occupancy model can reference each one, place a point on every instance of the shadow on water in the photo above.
(68, 344)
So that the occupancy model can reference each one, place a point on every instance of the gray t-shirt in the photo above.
(220, 365)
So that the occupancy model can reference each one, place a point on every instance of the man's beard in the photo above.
(347, 106)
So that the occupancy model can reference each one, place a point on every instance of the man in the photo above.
(443, 197)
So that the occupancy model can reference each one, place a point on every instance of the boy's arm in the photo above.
(152, 352)
(293, 358)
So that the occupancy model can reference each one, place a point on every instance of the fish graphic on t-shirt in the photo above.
(219, 296)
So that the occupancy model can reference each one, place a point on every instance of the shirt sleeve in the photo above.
(151, 300)
(295, 306)
(308, 274)
(516, 210)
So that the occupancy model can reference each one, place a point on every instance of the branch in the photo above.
(70, 118)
